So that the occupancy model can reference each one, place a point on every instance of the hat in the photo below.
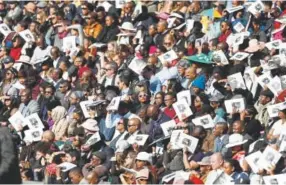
(42, 4)
(121, 146)
(205, 161)
(200, 58)
(127, 26)
(143, 174)
(199, 82)
(24, 59)
(8, 60)
(90, 124)
(267, 93)
(254, 46)
(100, 155)
(215, 98)
(144, 156)
(235, 140)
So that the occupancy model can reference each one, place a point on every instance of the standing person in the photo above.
(9, 165)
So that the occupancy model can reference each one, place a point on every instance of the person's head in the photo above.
(64, 87)
(55, 53)
(230, 166)
(159, 99)
(41, 149)
(152, 30)
(205, 165)
(49, 91)
(17, 42)
(216, 161)
(147, 72)
(122, 125)
(224, 26)
(123, 82)
(100, 11)
(182, 66)
(57, 74)
(133, 125)
(41, 17)
(265, 97)
(86, 8)
(220, 129)
(256, 24)
(98, 158)
(26, 95)
(195, 7)
(238, 127)
(75, 97)
(161, 26)
(142, 159)
(199, 132)
(169, 99)
(72, 156)
(11, 74)
(118, 59)
(111, 69)
(282, 114)
(153, 112)
(48, 136)
(75, 175)
(109, 20)
(27, 175)
(79, 61)
(190, 73)
(92, 177)
(169, 41)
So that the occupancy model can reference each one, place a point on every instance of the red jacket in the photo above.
(15, 53)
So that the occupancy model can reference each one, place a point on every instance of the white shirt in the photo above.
(278, 127)
(40, 53)
(55, 62)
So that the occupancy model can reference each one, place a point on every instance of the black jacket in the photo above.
(9, 165)
(109, 33)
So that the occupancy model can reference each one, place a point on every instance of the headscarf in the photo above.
(58, 113)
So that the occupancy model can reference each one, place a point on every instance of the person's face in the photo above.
(73, 99)
(49, 92)
(215, 163)
(168, 44)
(109, 71)
(198, 102)
(227, 168)
(25, 98)
(54, 54)
(84, 10)
(214, 104)
(100, 15)
(181, 71)
(237, 128)
(204, 169)
(224, 27)
(120, 85)
(22, 81)
(92, 179)
(190, 73)
(151, 31)
(142, 97)
(32, 27)
(63, 66)
(108, 21)
(9, 75)
(159, 99)
(12, 5)
(117, 60)
(95, 161)
(128, 8)
(196, 90)
(78, 62)
(140, 164)
(281, 115)
(169, 100)
(142, 181)
(255, 26)
(218, 130)
(75, 178)
(7, 102)
(120, 126)
(16, 42)
(39, 155)
(68, 158)
(2, 6)
(264, 99)
(132, 126)
(161, 27)
(55, 75)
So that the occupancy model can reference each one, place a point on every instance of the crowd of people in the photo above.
(143, 92)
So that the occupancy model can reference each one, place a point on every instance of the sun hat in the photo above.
(235, 140)
(24, 59)
(127, 26)
(254, 45)
(90, 124)
(42, 4)
(144, 156)
(205, 161)
(121, 146)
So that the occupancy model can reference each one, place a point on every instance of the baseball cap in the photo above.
(42, 4)
(8, 60)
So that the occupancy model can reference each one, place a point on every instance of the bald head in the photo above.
(48, 136)
(133, 125)
(153, 112)
(161, 26)
(92, 177)
(216, 161)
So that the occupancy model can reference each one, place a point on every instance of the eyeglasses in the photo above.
(167, 99)
(108, 69)
(167, 43)
(142, 95)
(131, 125)
(48, 92)
(83, 8)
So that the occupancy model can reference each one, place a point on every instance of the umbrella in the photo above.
(199, 58)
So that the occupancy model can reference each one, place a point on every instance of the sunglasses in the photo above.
(143, 95)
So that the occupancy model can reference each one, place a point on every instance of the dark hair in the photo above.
(235, 164)
(224, 125)
(125, 80)
(74, 153)
(100, 9)
(42, 147)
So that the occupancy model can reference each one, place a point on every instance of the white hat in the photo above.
(144, 156)
(127, 26)
(24, 59)
(90, 124)
(235, 140)
(121, 146)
